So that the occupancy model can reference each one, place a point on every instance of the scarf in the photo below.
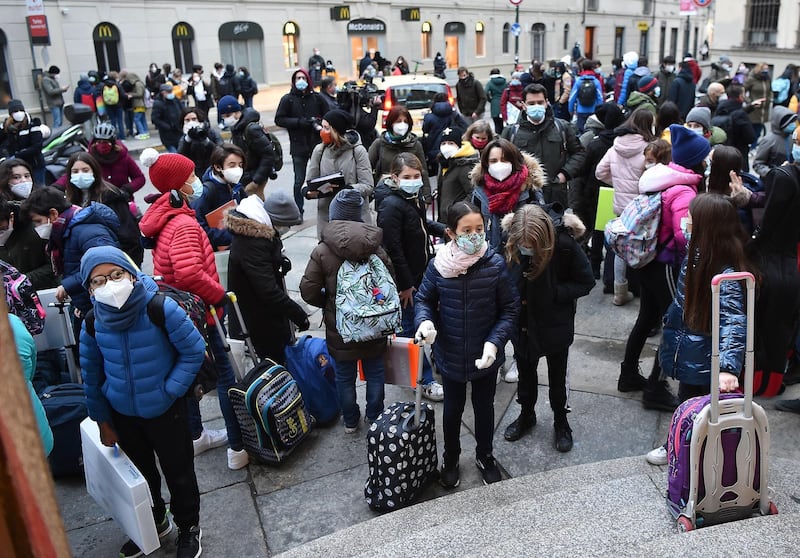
(55, 246)
(123, 318)
(451, 261)
(503, 196)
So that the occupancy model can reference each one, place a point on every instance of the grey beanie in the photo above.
(346, 206)
(282, 210)
(700, 115)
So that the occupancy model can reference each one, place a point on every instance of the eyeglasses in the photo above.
(99, 280)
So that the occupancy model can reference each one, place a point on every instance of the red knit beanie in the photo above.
(168, 171)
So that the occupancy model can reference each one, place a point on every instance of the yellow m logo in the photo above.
(181, 31)
(105, 31)
(344, 12)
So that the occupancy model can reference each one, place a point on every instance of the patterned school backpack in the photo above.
(22, 299)
(633, 236)
(367, 303)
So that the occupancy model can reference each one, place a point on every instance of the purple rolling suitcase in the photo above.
(718, 445)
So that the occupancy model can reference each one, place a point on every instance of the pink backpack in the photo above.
(22, 299)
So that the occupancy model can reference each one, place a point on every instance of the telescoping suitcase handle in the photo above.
(418, 394)
(750, 283)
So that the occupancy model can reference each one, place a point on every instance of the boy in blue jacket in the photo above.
(136, 373)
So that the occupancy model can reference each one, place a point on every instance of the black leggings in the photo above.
(455, 398)
(657, 289)
(528, 390)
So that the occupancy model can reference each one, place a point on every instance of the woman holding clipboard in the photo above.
(342, 161)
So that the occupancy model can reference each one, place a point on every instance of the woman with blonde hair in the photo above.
(555, 273)
(479, 134)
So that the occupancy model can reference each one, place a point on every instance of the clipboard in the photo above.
(214, 218)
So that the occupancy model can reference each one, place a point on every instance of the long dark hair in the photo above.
(640, 122)
(5, 176)
(717, 242)
(458, 210)
(668, 114)
(726, 159)
(511, 153)
(96, 190)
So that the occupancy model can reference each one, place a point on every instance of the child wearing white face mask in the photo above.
(398, 138)
(221, 184)
(137, 399)
(199, 139)
(406, 238)
(458, 158)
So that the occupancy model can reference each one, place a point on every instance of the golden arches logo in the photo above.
(413, 14)
(105, 31)
(344, 12)
(181, 30)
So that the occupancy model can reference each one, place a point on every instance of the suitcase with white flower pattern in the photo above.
(401, 452)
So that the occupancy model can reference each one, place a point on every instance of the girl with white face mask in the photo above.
(199, 139)
(222, 188)
(22, 137)
(16, 181)
(398, 138)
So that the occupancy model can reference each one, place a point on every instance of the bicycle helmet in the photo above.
(105, 131)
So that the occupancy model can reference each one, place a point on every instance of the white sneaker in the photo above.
(512, 374)
(433, 391)
(210, 439)
(657, 456)
(351, 429)
(237, 459)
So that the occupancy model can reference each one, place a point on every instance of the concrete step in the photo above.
(604, 508)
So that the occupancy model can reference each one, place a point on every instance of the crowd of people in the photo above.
(511, 242)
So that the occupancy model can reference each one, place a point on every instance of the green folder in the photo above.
(605, 208)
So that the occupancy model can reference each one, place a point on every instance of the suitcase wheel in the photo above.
(685, 524)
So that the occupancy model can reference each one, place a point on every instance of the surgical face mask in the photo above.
(44, 230)
(649, 165)
(669, 68)
(18, 116)
(22, 189)
(535, 112)
(170, 96)
(470, 243)
(301, 84)
(229, 121)
(698, 131)
(448, 150)
(500, 170)
(410, 186)
(400, 128)
(723, 97)
(525, 251)
(232, 175)
(191, 124)
(82, 180)
(657, 91)
(478, 143)
(197, 191)
(790, 127)
(114, 293)
(796, 152)
(515, 82)
(687, 234)
(5, 234)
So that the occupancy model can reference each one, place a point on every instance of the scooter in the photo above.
(65, 141)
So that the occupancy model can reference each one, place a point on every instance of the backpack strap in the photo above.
(155, 311)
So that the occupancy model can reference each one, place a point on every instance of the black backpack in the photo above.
(587, 92)
(277, 149)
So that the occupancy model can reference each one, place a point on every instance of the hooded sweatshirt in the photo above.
(773, 149)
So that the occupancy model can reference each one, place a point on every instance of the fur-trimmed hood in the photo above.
(569, 220)
(242, 225)
(536, 174)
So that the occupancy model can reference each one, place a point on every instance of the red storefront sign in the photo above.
(38, 30)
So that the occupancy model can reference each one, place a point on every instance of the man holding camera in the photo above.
(300, 112)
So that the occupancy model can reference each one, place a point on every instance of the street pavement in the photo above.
(264, 510)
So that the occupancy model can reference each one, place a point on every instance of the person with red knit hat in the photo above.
(183, 256)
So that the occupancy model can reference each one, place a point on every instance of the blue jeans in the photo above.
(409, 331)
(116, 117)
(140, 119)
(346, 373)
(58, 116)
(581, 121)
(129, 122)
(225, 379)
(299, 163)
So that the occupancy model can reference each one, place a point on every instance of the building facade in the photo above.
(271, 38)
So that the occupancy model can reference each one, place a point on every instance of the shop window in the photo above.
(566, 36)
(5, 83)
(427, 39)
(241, 43)
(538, 31)
(291, 33)
(480, 39)
(619, 41)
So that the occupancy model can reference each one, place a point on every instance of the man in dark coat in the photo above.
(167, 117)
(300, 112)
(551, 140)
(471, 96)
(681, 92)
(732, 117)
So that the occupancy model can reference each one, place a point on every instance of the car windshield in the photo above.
(416, 95)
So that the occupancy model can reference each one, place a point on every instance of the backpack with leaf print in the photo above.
(367, 302)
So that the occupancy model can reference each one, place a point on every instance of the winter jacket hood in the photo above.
(238, 223)
(159, 214)
(638, 99)
(308, 90)
(249, 115)
(660, 177)
(781, 116)
(350, 240)
(536, 174)
(442, 109)
(622, 166)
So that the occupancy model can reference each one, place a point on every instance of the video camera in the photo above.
(359, 95)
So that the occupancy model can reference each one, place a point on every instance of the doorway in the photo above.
(451, 51)
(588, 43)
(360, 45)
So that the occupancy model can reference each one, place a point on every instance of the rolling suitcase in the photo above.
(401, 448)
(718, 444)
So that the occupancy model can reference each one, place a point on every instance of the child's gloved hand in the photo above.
(728, 382)
(426, 333)
(488, 358)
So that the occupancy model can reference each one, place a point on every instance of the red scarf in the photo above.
(503, 196)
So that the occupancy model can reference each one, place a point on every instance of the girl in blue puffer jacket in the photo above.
(135, 374)
(468, 296)
(716, 245)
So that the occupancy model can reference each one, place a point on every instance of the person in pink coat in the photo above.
(622, 166)
(678, 183)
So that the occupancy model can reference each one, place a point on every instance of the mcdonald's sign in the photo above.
(340, 13)
(409, 14)
(182, 31)
(105, 32)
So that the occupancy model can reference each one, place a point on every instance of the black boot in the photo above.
(656, 395)
(524, 422)
(630, 378)
(563, 436)
(449, 477)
